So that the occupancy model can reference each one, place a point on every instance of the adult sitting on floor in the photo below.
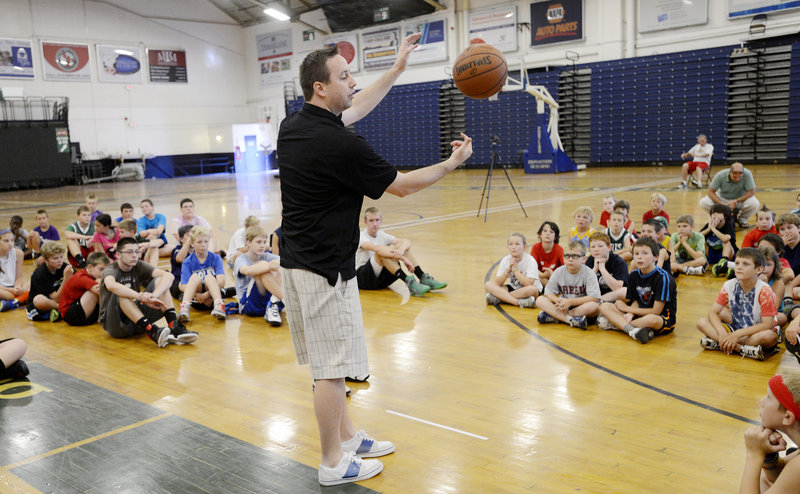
(736, 189)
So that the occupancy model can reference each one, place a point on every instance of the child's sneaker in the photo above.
(183, 312)
(604, 324)
(578, 322)
(417, 289)
(708, 343)
(357, 379)
(219, 310)
(179, 334)
(160, 336)
(350, 469)
(8, 305)
(23, 298)
(696, 270)
(427, 279)
(55, 315)
(643, 335)
(793, 349)
(492, 300)
(273, 314)
(17, 370)
(545, 318)
(363, 446)
(720, 268)
(528, 303)
(750, 351)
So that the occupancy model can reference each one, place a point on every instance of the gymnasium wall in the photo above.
(162, 119)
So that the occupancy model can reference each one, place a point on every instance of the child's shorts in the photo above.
(75, 316)
(252, 302)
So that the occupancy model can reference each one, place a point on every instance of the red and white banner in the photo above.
(66, 62)
(167, 65)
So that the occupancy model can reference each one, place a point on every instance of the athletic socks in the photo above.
(419, 272)
(143, 324)
(170, 316)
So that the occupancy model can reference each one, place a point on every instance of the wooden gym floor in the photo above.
(476, 398)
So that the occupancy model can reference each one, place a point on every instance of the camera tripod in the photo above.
(487, 185)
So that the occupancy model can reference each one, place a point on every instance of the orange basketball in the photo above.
(480, 71)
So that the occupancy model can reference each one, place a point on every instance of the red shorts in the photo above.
(693, 165)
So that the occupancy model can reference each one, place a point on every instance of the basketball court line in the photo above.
(612, 372)
(453, 429)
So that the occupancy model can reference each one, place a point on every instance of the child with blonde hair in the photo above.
(517, 279)
(202, 275)
(47, 282)
(609, 202)
(657, 203)
(238, 244)
(582, 230)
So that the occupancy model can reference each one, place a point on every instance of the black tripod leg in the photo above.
(487, 186)
(515, 192)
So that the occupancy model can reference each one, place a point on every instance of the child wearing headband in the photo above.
(764, 469)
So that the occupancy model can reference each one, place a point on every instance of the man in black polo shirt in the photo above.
(326, 170)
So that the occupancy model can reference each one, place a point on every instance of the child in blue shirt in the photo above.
(202, 275)
(258, 278)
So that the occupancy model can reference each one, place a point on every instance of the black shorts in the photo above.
(75, 316)
(365, 276)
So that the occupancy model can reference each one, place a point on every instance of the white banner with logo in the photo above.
(379, 46)
(274, 57)
(66, 61)
(496, 26)
(16, 58)
(433, 42)
(119, 64)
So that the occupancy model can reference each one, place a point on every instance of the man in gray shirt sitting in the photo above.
(736, 189)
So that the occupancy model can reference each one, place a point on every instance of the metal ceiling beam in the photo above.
(435, 4)
(295, 16)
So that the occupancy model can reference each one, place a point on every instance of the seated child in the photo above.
(238, 244)
(11, 365)
(202, 276)
(20, 236)
(776, 242)
(12, 288)
(657, 203)
(105, 236)
(80, 294)
(547, 253)
(651, 229)
(796, 209)
(720, 236)
(765, 223)
(79, 236)
(583, 225)
(608, 207)
(126, 212)
(258, 279)
(772, 276)
(789, 228)
(151, 227)
(764, 469)
(127, 229)
(42, 234)
(748, 326)
(620, 238)
(650, 303)
(611, 269)
(47, 282)
(624, 207)
(91, 203)
(572, 294)
(687, 248)
(517, 279)
(179, 254)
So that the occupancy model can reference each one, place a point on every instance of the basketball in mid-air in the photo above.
(480, 71)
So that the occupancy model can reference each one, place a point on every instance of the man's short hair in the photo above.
(787, 219)
(754, 255)
(148, 201)
(97, 258)
(656, 224)
(52, 248)
(372, 210)
(185, 200)
(600, 236)
(702, 135)
(253, 232)
(125, 241)
(685, 218)
(83, 208)
(128, 225)
(649, 243)
(737, 165)
(314, 68)
(774, 240)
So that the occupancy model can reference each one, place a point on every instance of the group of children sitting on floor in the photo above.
(754, 309)
(98, 271)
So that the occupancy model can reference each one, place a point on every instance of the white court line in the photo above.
(465, 214)
(437, 425)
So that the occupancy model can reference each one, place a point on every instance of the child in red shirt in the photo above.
(548, 254)
(80, 295)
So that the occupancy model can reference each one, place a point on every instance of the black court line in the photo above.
(614, 373)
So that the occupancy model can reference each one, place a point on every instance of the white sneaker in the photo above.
(708, 343)
(697, 183)
(750, 351)
(528, 303)
(491, 299)
(363, 446)
(273, 315)
(604, 324)
(350, 469)
(696, 270)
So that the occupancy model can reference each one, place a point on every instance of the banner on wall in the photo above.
(556, 21)
(274, 52)
(348, 48)
(743, 8)
(167, 65)
(16, 58)
(655, 15)
(496, 26)
(119, 64)
(379, 46)
(432, 44)
(66, 62)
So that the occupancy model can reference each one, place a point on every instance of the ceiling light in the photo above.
(276, 14)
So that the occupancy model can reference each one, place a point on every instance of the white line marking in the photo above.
(437, 425)
(465, 214)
